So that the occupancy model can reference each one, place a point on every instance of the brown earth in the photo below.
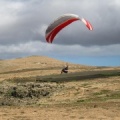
(86, 98)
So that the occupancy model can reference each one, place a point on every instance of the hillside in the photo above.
(35, 65)
(40, 66)
(32, 88)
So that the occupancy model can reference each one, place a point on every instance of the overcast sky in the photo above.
(23, 24)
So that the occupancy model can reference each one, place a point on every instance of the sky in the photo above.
(23, 24)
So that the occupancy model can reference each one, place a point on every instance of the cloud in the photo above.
(23, 24)
(8, 12)
(20, 20)
(40, 48)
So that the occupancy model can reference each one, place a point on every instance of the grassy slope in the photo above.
(80, 80)
(84, 93)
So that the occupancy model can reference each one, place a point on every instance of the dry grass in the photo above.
(93, 98)
(35, 65)
(40, 66)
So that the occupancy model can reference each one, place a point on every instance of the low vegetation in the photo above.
(34, 90)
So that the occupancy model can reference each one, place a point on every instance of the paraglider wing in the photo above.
(62, 22)
(58, 25)
(88, 25)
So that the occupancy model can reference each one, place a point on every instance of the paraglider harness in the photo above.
(65, 70)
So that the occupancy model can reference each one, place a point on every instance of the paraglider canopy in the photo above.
(62, 22)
